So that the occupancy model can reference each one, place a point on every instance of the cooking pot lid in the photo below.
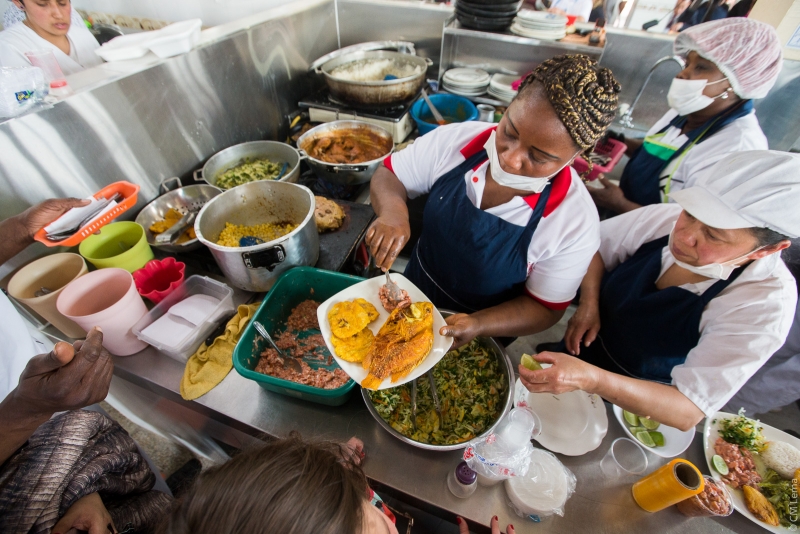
(404, 47)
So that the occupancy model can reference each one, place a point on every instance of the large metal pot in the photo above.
(343, 173)
(257, 267)
(236, 155)
(508, 402)
(378, 92)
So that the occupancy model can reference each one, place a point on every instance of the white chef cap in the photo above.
(747, 51)
(752, 189)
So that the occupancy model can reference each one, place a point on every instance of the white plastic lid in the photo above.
(544, 489)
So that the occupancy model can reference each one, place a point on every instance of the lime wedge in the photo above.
(657, 437)
(631, 418)
(634, 429)
(644, 437)
(719, 464)
(528, 362)
(649, 424)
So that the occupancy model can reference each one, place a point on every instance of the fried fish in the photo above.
(401, 344)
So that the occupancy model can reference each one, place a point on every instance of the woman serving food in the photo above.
(509, 228)
(728, 64)
(684, 302)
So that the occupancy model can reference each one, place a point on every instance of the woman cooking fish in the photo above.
(684, 302)
(509, 229)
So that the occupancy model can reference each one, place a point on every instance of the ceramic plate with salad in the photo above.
(760, 465)
(661, 440)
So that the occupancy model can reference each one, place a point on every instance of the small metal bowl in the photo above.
(182, 200)
(505, 364)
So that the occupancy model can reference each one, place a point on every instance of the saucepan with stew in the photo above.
(345, 152)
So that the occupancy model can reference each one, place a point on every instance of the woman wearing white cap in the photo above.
(684, 302)
(729, 63)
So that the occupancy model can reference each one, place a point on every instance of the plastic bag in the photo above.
(21, 88)
(543, 490)
(504, 453)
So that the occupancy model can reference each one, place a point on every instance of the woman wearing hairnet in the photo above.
(685, 301)
(728, 64)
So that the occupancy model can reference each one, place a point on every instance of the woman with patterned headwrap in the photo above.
(509, 229)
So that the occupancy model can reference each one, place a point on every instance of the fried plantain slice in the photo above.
(353, 348)
(760, 507)
(347, 319)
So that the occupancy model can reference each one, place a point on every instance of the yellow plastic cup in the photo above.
(121, 244)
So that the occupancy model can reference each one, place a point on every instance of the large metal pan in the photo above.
(505, 366)
(377, 92)
(343, 173)
(236, 155)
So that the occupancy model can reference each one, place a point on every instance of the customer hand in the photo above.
(37, 217)
(463, 528)
(582, 326)
(87, 514)
(566, 374)
(386, 237)
(610, 196)
(70, 377)
(462, 328)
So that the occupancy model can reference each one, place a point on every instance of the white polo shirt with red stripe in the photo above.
(568, 234)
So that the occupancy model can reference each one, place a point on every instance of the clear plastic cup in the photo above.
(46, 60)
(625, 458)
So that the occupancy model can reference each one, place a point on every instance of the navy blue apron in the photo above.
(466, 259)
(641, 177)
(645, 332)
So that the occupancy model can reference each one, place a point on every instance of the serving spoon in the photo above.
(436, 115)
(288, 361)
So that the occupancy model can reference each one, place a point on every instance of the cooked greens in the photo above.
(742, 431)
(472, 388)
(782, 496)
(250, 170)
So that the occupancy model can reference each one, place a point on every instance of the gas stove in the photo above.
(353, 193)
(394, 118)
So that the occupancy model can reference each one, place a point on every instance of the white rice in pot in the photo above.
(374, 70)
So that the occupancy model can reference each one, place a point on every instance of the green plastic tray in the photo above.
(292, 288)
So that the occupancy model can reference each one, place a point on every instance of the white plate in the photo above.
(710, 435)
(541, 35)
(573, 423)
(461, 92)
(675, 441)
(368, 290)
(466, 77)
(543, 17)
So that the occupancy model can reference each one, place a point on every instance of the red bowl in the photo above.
(159, 278)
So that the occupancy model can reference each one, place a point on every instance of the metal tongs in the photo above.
(435, 395)
(174, 232)
(288, 361)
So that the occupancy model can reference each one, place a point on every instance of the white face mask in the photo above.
(514, 181)
(717, 271)
(686, 96)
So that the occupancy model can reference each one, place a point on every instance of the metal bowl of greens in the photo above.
(475, 387)
(250, 162)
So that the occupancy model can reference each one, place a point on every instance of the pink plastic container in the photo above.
(159, 278)
(106, 298)
(613, 148)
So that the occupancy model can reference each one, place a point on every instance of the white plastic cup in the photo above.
(625, 458)
(106, 298)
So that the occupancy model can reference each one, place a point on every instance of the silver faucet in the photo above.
(626, 119)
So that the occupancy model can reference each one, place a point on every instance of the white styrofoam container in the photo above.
(131, 46)
(177, 38)
(193, 285)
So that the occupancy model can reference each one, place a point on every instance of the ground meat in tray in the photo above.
(301, 339)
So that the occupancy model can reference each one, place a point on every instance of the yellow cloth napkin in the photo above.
(210, 365)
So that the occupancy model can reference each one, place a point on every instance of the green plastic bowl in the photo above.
(293, 287)
(120, 244)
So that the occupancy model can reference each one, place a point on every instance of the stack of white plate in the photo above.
(540, 25)
(500, 87)
(466, 81)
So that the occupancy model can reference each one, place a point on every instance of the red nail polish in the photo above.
(458, 520)
(494, 518)
(512, 526)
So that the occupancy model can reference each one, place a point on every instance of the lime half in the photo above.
(528, 362)
(657, 437)
(719, 464)
(631, 418)
(644, 437)
(648, 423)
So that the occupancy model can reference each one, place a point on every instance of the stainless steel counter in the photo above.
(413, 475)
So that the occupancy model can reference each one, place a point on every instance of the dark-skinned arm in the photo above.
(390, 231)
(632, 146)
(610, 196)
(663, 403)
(70, 377)
(18, 231)
(521, 316)
(585, 323)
